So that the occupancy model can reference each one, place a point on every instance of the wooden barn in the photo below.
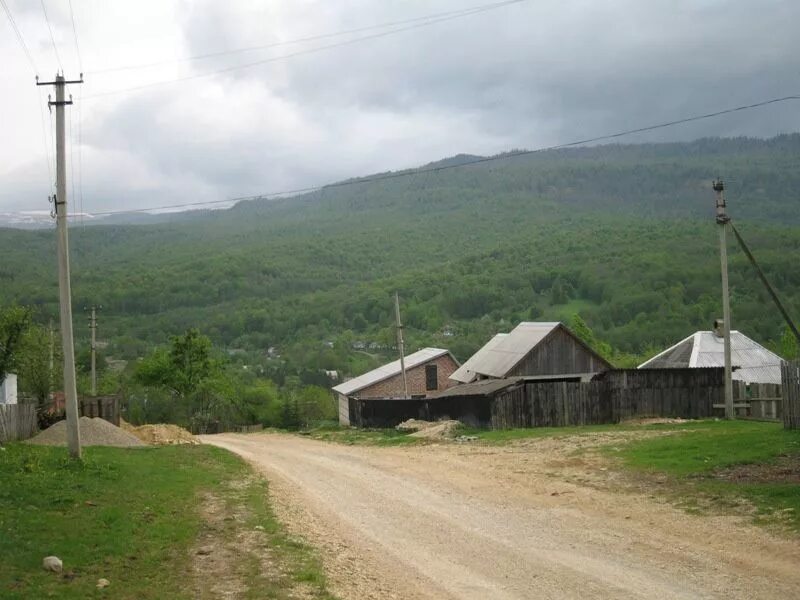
(427, 371)
(531, 349)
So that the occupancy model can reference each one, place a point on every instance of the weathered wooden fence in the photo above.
(105, 407)
(790, 376)
(556, 404)
(17, 422)
(762, 401)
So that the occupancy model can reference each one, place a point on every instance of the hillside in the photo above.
(622, 235)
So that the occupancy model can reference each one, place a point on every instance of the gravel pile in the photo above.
(94, 432)
(438, 431)
(160, 434)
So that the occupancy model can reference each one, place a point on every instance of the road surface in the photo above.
(530, 520)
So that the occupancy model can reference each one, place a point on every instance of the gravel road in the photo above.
(522, 521)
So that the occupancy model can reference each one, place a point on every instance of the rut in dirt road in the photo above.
(438, 522)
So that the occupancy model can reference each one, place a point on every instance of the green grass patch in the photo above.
(128, 515)
(501, 436)
(367, 437)
(698, 460)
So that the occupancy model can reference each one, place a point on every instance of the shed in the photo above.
(752, 362)
(427, 370)
(531, 349)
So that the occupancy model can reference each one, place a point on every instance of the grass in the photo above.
(130, 516)
(366, 437)
(694, 462)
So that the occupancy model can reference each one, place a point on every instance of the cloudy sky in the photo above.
(524, 75)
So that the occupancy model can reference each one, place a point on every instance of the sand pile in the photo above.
(438, 430)
(160, 434)
(94, 432)
(414, 425)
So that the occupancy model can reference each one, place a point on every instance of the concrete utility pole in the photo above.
(400, 347)
(51, 363)
(722, 220)
(65, 293)
(93, 327)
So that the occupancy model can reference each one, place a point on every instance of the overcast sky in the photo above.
(526, 75)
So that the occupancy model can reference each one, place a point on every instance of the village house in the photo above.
(8, 389)
(427, 371)
(532, 349)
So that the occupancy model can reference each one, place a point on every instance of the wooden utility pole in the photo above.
(93, 328)
(400, 347)
(65, 293)
(722, 221)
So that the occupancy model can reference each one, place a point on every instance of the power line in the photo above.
(486, 159)
(52, 37)
(300, 52)
(20, 39)
(455, 13)
(75, 34)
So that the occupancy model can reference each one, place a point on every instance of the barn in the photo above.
(531, 349)
(427, 371)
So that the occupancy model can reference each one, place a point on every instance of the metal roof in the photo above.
(484, 387)
(752, 362)
(504, 351)
(389, 370)
(466, 373)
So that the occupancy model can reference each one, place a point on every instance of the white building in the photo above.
(8, 389)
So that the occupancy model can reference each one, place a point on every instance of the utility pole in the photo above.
(65, 293)
(51, 363)
(722, 220)
(93, 328)
(400, 344)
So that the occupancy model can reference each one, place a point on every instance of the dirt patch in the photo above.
(654, 421)
(94, 432)
(438, 430)
(160, 434)
(785, 470)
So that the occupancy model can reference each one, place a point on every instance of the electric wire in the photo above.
(456, 13)
(75, 35)
(290, 55)
(47, 159)
(481, 160)
(20, 39)
(52, 37)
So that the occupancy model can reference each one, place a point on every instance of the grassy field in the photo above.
(367, 437)
(715, 464)
(134, 517)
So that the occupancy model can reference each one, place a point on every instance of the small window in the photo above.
(431, 377)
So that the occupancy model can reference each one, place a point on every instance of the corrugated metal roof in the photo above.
(466, 373)
(504, 351)
(484, 387)
(388, 370)
(751, 361)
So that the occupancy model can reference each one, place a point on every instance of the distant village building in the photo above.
(8, 389)
(532, 349)
(752, 363)
(427, 371)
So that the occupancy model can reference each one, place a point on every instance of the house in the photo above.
(427, 370)
(531, 349)
(8, 389)
(752, 363)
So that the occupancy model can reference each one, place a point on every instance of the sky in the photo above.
(523, 75)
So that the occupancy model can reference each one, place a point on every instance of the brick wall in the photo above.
(393, 387)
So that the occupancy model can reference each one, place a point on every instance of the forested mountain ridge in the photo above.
(622, 235)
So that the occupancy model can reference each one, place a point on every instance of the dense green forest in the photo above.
(623, 236)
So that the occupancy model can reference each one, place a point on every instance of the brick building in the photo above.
(427, 371)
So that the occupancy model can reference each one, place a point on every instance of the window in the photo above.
(431, 377)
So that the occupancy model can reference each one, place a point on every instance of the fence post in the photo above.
(790, 378)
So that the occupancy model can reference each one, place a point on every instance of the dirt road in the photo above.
(523, 521)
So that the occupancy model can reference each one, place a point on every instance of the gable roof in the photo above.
(751, 361)
(504, 351)
(390, 370)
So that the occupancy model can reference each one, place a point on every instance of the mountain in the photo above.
(622, 235)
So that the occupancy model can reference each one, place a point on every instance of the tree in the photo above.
(14, 322)
(33, 364)
(788, 345)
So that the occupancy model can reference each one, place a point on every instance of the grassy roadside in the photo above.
(366, 437)
(133, 516)
(717, 464)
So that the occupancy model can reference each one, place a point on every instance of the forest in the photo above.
(618, 240)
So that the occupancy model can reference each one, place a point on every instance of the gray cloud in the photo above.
(526, 75)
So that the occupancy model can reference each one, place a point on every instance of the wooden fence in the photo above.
(790, 376)
(17, 422)
(557, 404)
(761, 401)
(105, 407)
